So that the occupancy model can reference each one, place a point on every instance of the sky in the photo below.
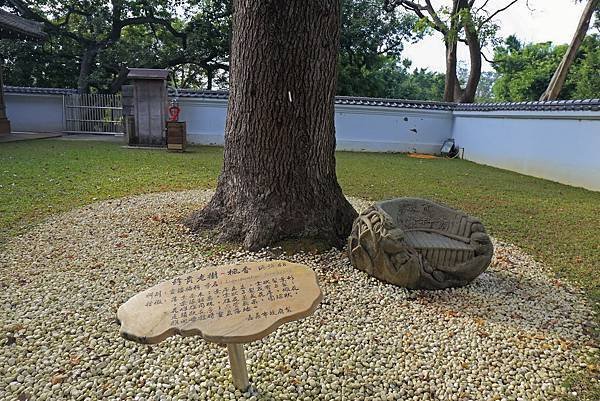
(544, 20)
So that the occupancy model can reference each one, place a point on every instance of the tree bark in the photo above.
(452, 90)
(278, 179)
(560, 75)
(209, 79)
(119, 80)
(468, 95)
(451, 81)
(85, 68)
(450, 40)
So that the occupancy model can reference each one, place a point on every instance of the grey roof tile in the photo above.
(555, 105)
(42, 91)
(147, 73)
(12, 26)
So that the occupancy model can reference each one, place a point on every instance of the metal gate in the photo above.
(94, 114)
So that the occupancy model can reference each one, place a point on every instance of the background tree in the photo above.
(94, 24)
(42, 64)
(197, 57)
(370, 61)
(278, 179)
(462, 21)
(371, 43)
(484, 92)
(524, 71)
(560, 75)
(106, 37)
(485, 89)
(370, 56)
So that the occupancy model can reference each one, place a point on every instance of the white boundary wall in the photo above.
(29, 112)
(204, 119)
(386, 129)
(562, 146)
(358, 128)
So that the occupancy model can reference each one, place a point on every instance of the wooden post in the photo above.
(237, 361)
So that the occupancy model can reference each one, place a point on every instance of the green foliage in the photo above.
(585, 73)
(191, 37)
(195, 46)
(49, 64)
(524, 71)
(370, 62)
(388, 79)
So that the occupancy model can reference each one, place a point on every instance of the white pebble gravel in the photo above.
(513, 334)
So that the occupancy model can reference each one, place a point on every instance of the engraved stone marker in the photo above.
(231, 304)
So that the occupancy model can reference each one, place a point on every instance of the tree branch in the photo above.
(482, 6)
(492, 62)
(492, 15)
(436, 19)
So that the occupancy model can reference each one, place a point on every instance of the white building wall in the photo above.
(29, 112)
(562, 146)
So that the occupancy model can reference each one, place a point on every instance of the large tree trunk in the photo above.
(451, 82)
(85, 68)
(560, 75)
(278, 179)
(451, 85)
(468, 95)
(209, 79)
(119, 80)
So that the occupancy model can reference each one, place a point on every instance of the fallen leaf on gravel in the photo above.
(14, 327)
(549, 324)
(24, 396)
(57, 379)
(74, 359)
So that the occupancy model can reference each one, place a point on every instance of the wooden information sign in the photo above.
(232, 304)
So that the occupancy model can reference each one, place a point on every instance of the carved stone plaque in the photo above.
(225, 304)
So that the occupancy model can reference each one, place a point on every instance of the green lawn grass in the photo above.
(557, 224)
